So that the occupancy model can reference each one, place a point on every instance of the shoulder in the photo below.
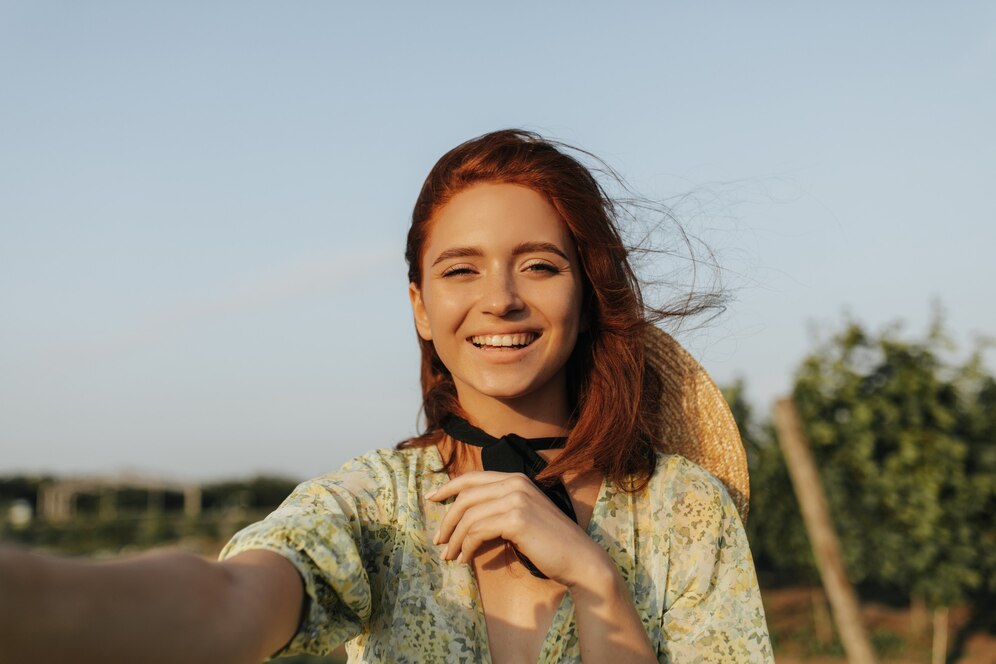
(383, 476)
(388, 466)
(689, 495)
(674, 473)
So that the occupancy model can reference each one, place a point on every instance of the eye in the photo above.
(457, 270)
(541, 266)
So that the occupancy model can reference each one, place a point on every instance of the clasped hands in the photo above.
(492, 505)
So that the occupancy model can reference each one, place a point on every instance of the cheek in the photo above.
(572, 310)
(443, 314)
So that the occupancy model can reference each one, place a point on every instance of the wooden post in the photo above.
(939, 647)
(822, 623)
(192, 500)
(823, 539)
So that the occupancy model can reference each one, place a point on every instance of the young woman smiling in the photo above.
(544, 514)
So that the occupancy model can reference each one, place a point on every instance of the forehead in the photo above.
(496, 217)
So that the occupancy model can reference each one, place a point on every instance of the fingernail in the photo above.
(435, 538)
(432, 493)
(460, 557)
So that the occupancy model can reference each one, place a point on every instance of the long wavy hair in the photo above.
(611, 392)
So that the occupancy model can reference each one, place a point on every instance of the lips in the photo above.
(519, 340)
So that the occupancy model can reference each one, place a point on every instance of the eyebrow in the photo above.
(521, 248)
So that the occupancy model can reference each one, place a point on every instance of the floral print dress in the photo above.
(361, 539)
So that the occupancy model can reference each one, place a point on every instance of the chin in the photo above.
(506, 393)
(506, 390)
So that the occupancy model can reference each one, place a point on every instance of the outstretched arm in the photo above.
(164, 606)
(491, 505)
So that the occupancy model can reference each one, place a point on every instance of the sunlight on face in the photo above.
(501, 294)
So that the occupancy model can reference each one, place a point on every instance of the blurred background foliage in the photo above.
(905, 439)
(904, 435)
(137, 523)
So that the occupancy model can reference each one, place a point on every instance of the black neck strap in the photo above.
(514, 454)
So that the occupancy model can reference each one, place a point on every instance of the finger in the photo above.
(551, 542)
(472, 518)
(468, 498)
(475, 495)
(482, 532)
(499, 525)
(517, 502)
(467, 480)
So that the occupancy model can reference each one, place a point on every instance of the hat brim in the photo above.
(693, 418)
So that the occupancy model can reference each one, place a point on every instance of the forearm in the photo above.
(609, 628)
(159, 607)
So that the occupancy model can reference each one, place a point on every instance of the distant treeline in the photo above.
(134, 523)
(260, 492)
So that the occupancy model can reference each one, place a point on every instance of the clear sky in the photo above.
(203, 205)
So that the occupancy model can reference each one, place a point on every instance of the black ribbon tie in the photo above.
(514, 454)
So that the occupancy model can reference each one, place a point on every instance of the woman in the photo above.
(538, 518)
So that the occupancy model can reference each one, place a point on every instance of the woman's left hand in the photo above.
(491, 505)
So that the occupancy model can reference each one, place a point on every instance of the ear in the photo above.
(418, 310)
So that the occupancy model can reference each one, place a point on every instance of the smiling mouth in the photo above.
(503, 341)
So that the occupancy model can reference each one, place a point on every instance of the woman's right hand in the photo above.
(163, 606)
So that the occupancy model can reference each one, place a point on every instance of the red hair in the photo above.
(610, 390)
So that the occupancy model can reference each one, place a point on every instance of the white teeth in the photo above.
(498, 340)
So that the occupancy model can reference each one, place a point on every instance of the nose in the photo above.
(501, 296)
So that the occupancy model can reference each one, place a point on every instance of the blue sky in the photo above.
(203, 205)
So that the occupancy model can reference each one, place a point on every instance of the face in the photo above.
(501, 294)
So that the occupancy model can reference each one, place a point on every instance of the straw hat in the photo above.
(694, 419)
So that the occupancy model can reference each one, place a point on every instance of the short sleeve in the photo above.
(334, 530)
(713, 604)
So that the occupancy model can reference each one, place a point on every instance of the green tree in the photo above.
(904, 444)
(978, 427)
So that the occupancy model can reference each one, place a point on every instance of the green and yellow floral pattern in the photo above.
(361, 539)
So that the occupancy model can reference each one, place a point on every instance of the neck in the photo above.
(535, 416)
